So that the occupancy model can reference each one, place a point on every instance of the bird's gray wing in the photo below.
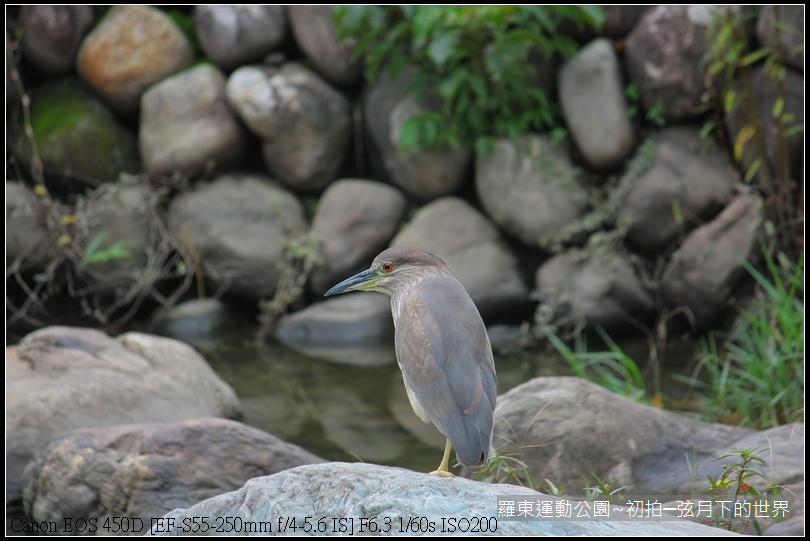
(446, 361)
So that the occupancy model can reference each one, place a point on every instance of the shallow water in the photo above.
(342, 411)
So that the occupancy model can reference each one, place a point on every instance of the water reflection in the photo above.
(339, 411)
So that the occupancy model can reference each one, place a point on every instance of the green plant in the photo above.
(602, 490)
(550, 488)
(93, 253)
(736, 482)
(730, 77)
(504, 466)
(655, 114)
(478, 60)
(301, 253)
(755, 376)
(613, 369)
(71, 271)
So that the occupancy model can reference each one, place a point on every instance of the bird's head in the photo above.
(394, 269)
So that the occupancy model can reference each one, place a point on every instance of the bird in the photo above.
(441, 345)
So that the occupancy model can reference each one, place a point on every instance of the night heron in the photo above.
(442, 347)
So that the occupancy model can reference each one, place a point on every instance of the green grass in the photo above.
(614, 369)
(754, 376)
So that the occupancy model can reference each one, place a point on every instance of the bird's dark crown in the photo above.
(408, 255)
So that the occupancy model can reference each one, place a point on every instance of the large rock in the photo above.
(304, 123)
(530, 188)
(186, 125)
(703, 274)
(61, 378)
(30, 235)
(129, 50)
(463, 237)
(664, 58)
(423, 174)
(52, 34)
(352, 499)
(238, 225)
(79, 140)
(315, 33)
(565, 428)
(122, 213)
(353, 329)
(594, 287)
(592, 97)
(685, 184)
(142, 471)
(233, 35)
(204, 323)
(355, 221)
(123, 252)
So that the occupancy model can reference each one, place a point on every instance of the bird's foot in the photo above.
(442, 473)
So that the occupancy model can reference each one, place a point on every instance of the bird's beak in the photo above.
(364, 280)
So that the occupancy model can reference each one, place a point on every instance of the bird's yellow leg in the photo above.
(444, 470)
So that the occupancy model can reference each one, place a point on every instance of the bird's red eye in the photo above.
(387, 267)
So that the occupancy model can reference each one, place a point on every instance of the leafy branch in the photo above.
(479, 62)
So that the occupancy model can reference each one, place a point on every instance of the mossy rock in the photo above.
(77, 136)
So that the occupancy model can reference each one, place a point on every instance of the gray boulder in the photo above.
(187, 127)
(52, 34)
(233, 35)
(591, 93)
(304, 123)
(123, 214)
(565, 428)
(351, 499)
(79, 140)
(794, 526)
(30, 234)
(423, 174)
(708, 267)
(203, 323)
(686, 183)
(473, 247)
(315, 33)
(595, 286)
(132, 48)
(61, 378)
(663, 56)
(530, 188)
(355, 221)
(353, 329)
(238, 225)
(142, 471)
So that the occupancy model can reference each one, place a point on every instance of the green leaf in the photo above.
(95, 243)
(594, 16)
(755, 56)
(778, 106)
(542, 16)
(442, 48)
(752, 170)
